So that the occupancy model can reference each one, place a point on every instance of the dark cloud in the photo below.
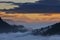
(46, 6)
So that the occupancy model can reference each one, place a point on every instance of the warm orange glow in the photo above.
(31, 17)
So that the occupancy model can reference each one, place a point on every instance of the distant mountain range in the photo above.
(46, 6)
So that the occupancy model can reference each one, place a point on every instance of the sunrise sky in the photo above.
(11, 5)
(21, 1)
(31, 18)
(35, 6)
(11, 12)
(35, 20)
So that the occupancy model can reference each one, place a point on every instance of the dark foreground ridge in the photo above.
(6, 28)
(47, 31)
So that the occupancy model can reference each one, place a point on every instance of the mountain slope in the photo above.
(6, 28)
(50, 30)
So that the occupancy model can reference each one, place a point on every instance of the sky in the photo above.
(31, 4)
(11, 5)
(28, 18)
(7, 6)
(21, 1)
(31, 18)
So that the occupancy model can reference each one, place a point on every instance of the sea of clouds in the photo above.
(26, 36)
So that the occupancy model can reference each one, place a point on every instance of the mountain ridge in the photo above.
(7, 28)
(49, 30)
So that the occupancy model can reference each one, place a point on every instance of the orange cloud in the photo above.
(19, 17)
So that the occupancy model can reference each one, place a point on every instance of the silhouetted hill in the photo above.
(6, 28)
(55, 29)
(50, 30)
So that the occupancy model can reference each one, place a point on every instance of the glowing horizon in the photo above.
(31, 18)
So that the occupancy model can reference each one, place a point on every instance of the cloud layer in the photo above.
(7, 6)
(21, 1)
(36, 6)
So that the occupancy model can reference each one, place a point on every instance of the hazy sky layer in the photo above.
(21, 1)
